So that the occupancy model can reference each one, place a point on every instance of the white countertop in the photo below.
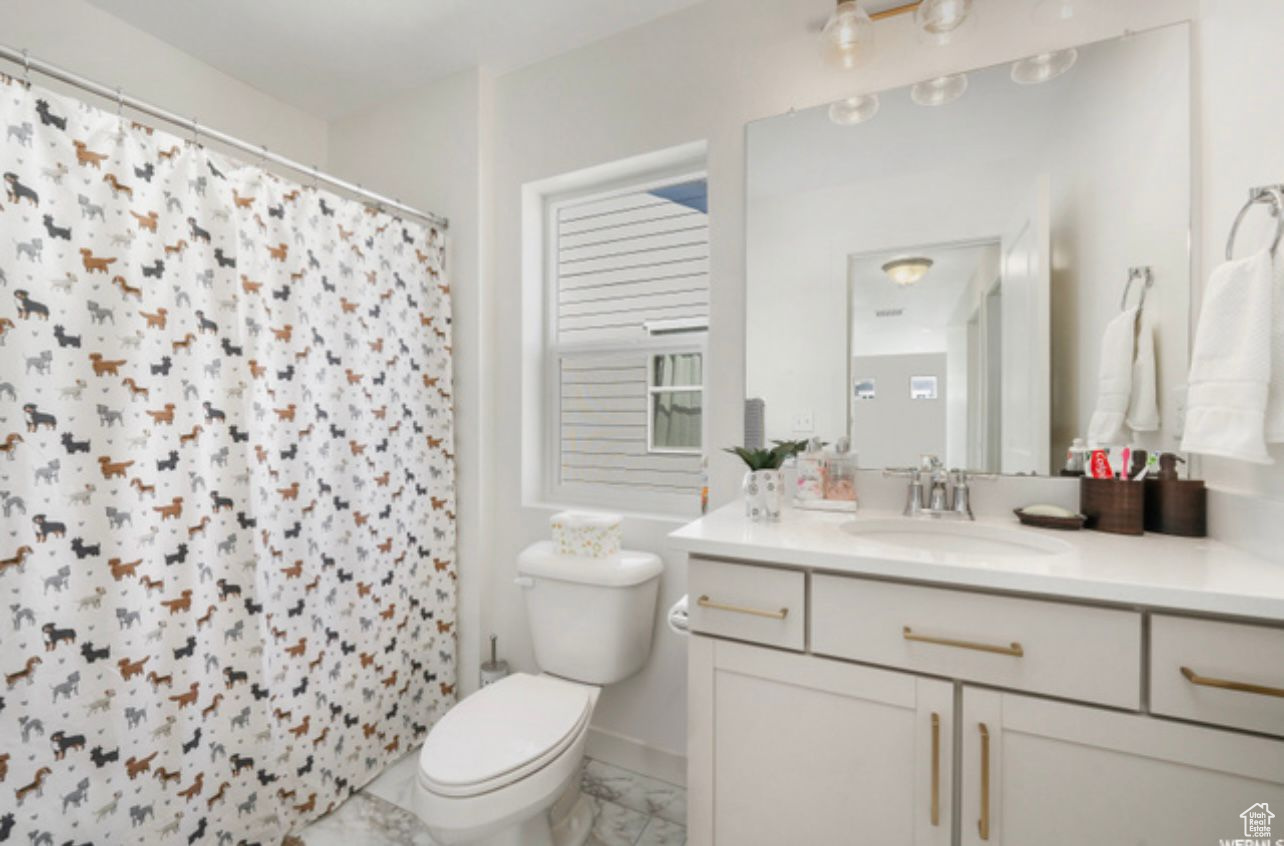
(1160, 571)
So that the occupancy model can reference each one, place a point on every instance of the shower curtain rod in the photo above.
(28, 63)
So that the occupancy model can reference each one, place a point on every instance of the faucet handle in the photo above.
(962, 476)
(911, 472)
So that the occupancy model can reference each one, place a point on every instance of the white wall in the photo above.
(92, 43)
(892, 430)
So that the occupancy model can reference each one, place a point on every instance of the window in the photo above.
(627, 271)
(676, 409)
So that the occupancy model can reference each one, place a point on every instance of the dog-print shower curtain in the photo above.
(226, 481)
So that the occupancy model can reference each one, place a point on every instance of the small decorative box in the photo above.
(587, 534)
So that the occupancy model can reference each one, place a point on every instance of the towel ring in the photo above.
(1147, 277)
(1273, 194)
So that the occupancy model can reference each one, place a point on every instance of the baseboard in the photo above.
(631, 754)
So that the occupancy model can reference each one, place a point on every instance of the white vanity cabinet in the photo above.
(1036, 771)
(840, 722)
(808, 750)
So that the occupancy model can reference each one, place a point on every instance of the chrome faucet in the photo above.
(948, 494)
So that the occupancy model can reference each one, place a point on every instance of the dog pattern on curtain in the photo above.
(226, 484)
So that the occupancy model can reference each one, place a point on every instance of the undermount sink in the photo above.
(959, 538)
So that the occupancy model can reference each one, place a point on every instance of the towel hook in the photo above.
(1147, 277)
(1273, 194)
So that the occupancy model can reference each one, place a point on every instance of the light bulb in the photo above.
(853, 110)
(940, 20)
(1043, 67)
(939, 91)
(848, 36)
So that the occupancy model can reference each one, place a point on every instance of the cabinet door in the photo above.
(806, 750)
(1054, 773)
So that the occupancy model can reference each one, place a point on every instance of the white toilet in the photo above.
(501, 768)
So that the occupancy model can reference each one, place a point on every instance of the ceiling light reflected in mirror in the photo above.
(853, 110)
(939, 91)
(1043, 67)
(907, 271)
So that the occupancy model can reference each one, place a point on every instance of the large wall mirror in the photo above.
(933, 269)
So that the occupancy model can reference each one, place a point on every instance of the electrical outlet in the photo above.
(803, 422)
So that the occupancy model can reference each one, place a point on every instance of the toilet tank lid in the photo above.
(623, 569)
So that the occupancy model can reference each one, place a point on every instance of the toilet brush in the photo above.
(494, 669)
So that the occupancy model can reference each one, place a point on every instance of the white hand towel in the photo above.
(1275, 393)
(1114, 381)
(1143, 407)
(1230, 366)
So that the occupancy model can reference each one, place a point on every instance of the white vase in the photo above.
(764, 493)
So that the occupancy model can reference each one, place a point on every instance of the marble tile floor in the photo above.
(629, 810)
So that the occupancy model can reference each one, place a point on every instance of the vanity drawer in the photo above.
(1230, 674)
(1059, 649)
(746, 602)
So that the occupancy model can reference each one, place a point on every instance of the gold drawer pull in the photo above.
(1014, 649)
(1227, 684)
(936, 768)
(983, 825)
(706, 602)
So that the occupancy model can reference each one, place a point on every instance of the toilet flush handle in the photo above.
(524, 582)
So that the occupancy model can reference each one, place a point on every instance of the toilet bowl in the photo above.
(497, 763)
(502, 767)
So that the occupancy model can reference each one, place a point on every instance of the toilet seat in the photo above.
(503, 733)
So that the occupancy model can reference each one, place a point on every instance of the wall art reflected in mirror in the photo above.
(948, 274)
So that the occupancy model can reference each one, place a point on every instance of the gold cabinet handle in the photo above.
(1227, 684)
(1014, 649)
(936, 768)
(706, 602)
(983, 825)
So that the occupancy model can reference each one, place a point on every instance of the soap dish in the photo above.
(1041, 521)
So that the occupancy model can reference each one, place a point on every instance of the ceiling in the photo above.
(334, 57)
(928, 306)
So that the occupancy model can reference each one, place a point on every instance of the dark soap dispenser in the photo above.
(1176, 506)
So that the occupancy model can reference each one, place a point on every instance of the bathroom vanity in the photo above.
(875, 679)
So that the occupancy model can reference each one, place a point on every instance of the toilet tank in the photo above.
(591, 619)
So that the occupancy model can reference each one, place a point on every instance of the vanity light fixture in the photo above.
(939, 91)
(1043, 67)
(848, 36)
(940, 20)
(853, 110)
(907, 271)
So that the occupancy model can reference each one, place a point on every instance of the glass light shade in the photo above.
(940, 20)
(853, 110)
(939, 91)
(1043, 67)
(848, 36)
(907, 271)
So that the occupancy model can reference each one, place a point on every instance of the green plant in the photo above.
(767, 459)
